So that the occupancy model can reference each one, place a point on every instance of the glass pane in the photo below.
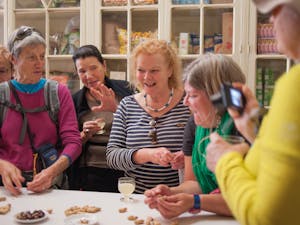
(114, 2)
(64, 32)
(114, 32)
(142, 27)
(144, 2)
(65, 3)
(217, 1)
(218, 27)
(266, 42)
(33, 19)
(267, 72)
(1, 4)
(185, 30)
(21, 4)
(116, 69)
(63, 71)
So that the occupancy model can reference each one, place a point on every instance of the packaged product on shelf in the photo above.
(269, 77)
(136, 38)
(182, 2)
(218, 40)
(114, 2)
(122, 37)
(221, 1)
(259, 77)
(227, 23)
(65, 3)
(195, 43)
(209, 43)
(183, 43)
(259, 95)
(144, 2)
(117, 75)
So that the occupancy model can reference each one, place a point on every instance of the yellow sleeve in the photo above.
(264, 188)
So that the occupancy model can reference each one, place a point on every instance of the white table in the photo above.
(60, 200)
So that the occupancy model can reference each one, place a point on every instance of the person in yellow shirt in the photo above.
(263, 186)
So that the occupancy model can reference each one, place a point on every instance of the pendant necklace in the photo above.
(164, 106)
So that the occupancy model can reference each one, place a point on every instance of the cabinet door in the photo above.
(122, 26)
(2, 2)
(197, 27)
(59, 22)
(266, 64)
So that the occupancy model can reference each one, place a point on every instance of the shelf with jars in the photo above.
(194, 27)
(117, 26)
(59, 22)
(266, 64)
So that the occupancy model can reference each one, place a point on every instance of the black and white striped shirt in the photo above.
(129, 133)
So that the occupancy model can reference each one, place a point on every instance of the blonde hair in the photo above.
(209, 71)
(154, 46)
(4, 54)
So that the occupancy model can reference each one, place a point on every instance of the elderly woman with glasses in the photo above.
(199, 191)
(17, 148)
(147, 132)
(263, 186)
(6, 67)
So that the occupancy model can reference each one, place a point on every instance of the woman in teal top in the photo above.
(202, 78)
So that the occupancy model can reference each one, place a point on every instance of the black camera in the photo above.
(228, 97)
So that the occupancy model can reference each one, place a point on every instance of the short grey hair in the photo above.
(15, 44)
(209, 71)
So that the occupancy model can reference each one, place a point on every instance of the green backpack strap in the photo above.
(4, 100)
(52, 100)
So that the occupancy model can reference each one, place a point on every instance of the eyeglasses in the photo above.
(153, 132)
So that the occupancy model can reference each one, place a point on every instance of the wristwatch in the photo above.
(197, 205)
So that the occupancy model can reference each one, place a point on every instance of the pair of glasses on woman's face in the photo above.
(153, 133)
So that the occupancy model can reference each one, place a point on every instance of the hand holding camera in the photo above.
(242, 107)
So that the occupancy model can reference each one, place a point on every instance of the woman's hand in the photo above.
(106, 96)
(246, 123)
(11, 177)
(161, 156)
(41, 182)
(174, 205)
(151, 195)
(178, 160)
(91, 127)
(218, 147)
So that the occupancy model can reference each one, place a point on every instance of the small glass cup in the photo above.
(126, 186)
(101, 124)
(233, 139)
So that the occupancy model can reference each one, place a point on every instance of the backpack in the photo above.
(51, 101)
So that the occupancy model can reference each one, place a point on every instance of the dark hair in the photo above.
(87, 51)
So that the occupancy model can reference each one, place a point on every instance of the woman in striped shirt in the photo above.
(147, 132)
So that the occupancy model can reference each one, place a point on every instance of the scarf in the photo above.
(207, 179)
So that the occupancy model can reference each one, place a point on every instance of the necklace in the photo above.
(164, 106)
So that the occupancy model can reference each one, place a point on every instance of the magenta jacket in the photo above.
(42, 128)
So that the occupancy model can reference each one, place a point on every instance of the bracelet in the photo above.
(197, 205)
